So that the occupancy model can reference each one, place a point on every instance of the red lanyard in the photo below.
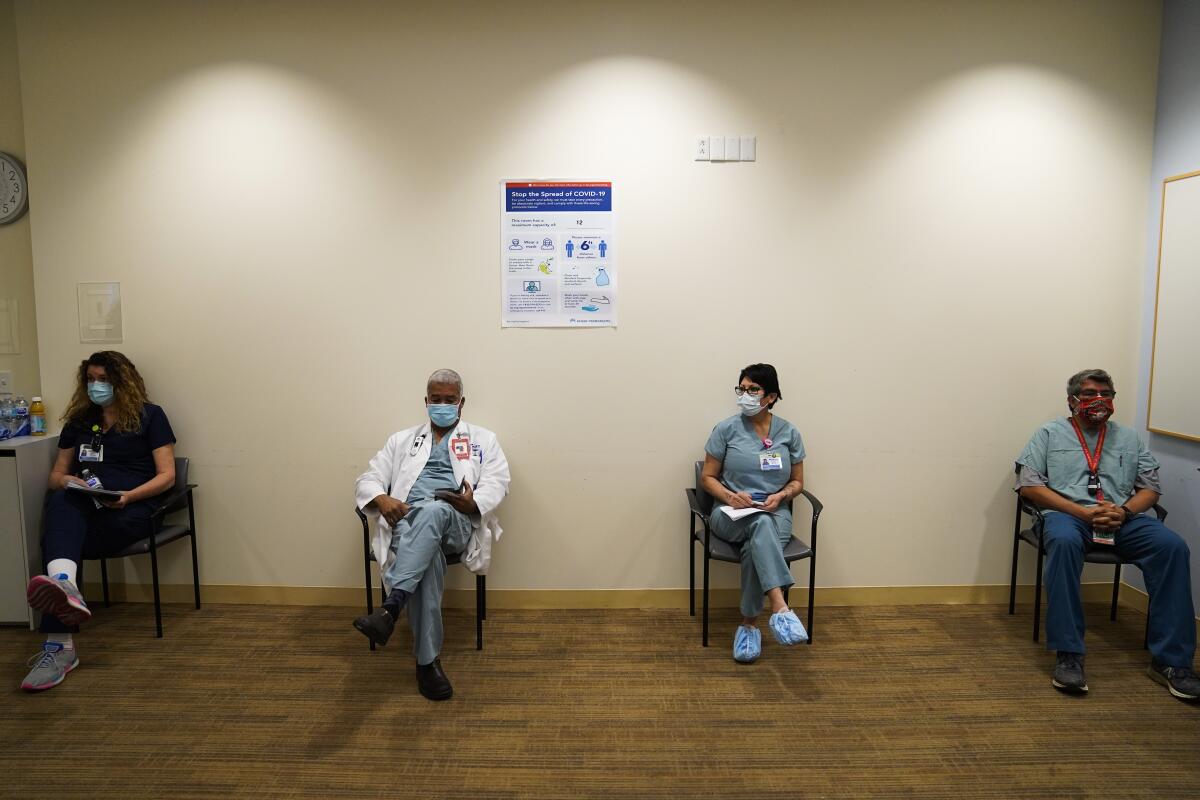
(1093, 462)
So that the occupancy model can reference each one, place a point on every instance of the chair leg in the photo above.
(195, 571)
(480, 589)
(785, 596)
(1112, 614)
(705, 634)
(812, 591)
(370, 594)
(1012, 586)
(104, 579)
(158, 630)
(1037, 597)
(483, 600)
(691, 575)
(195, 561)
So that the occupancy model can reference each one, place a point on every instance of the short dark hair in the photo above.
(1075, 384)
(766, 377)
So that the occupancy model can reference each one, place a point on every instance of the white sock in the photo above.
(61, 638)
(63, 568)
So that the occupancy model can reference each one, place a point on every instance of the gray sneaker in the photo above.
(50, 666)
(1068, 674)
(58, 597)
(1180, 681)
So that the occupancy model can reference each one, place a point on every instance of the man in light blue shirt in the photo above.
(1095, 480)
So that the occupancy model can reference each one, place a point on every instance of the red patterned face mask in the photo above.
(1095, 409)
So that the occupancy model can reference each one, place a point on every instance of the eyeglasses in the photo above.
(753, 391)
(1090, 394)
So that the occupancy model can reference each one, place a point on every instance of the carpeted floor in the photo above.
(904, 702)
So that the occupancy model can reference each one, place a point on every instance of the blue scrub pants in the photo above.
(75, 528)
(762, 538)
(419, 546)
(1156, 550)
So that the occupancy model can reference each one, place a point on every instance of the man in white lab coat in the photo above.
(433, 489)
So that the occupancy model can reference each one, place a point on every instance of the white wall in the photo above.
(16, 259)
(300, 202)
(1176, 151)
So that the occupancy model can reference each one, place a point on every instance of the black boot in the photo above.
(376, 626)
(432, 682)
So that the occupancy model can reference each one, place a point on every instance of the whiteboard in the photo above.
(1175, 363)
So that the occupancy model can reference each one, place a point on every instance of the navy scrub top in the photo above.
(128, 456)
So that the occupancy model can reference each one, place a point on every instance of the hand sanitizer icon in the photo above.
(602, 278)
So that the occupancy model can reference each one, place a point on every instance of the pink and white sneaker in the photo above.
(58, 597)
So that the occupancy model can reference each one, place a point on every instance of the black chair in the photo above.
(164, 532)
(1034, 535)
(700, 504)
(451, 559)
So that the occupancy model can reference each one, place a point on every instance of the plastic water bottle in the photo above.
(21, 417)
(6, 417)
(37, 417)
(91, 479)
(93, 482)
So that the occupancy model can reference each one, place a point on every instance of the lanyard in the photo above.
(1093, 462)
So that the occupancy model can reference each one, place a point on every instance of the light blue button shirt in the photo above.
(1054, 451)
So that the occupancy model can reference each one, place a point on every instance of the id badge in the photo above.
(770, 461)
(461, 448)
(87, 453)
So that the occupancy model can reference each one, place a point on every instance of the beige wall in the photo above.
(300, 203)
(16, 259)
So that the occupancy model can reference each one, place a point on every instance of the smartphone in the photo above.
(441, 494)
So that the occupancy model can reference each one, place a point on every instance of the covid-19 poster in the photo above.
(557, 256)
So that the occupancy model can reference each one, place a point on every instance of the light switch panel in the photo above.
(749, 148)
(716, 148)
(733, 148)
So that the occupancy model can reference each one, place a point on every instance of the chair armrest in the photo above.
(694, 503)
(817, 505)
(1160, 512)
(1029, 508)
(170, 498)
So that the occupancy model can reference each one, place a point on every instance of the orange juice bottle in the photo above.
(37, 417)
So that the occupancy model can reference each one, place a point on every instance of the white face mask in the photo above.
(749, 404)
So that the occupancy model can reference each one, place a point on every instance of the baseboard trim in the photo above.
(603, 598)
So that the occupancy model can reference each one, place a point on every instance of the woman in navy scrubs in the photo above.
(112, 429)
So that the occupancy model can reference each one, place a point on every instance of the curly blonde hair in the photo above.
(129, 391)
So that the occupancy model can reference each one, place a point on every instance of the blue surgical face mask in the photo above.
(443, 414)
(100, 393)
(749, 405)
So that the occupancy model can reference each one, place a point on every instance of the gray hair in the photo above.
(1075, 385)
(445, 376)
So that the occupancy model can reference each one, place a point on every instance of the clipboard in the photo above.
(108, 494)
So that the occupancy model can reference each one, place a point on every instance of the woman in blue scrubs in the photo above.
(753, 465)
(112, 429)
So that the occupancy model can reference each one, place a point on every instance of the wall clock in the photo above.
(14, 189)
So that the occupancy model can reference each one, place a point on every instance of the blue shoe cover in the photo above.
(786, 628)
(747, 644)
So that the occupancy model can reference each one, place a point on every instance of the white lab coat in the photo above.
(401, 460)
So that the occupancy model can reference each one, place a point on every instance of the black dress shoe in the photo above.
(432, 682)
(376, 626)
